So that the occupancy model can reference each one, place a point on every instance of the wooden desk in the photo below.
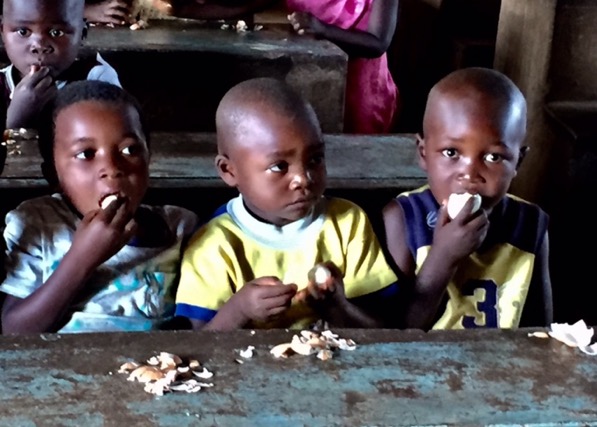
(392, 378)
(186, 160)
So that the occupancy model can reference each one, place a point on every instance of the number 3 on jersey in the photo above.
(487, 306)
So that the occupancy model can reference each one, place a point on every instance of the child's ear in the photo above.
(523, 152)
(226, 169)
(421, 152)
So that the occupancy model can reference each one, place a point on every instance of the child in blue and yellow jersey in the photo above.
(484, 268)
(248, 266)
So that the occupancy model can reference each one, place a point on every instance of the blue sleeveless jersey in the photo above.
(489, 287)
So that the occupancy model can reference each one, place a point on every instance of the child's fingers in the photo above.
(479, 220)
(279, 301)
(335, 276)
(300, 296)
(314, 294)
(117, 214)
(117, 15)
(129, 230)
(116, 20)
(267, 281)
(121, 9)
(280, 290)
(122, 4)
(333, 269)
(329, 287)
(442, 215)
(36, 74)
(123, 215)
(319, 291)
(44, 84)
(274, 311)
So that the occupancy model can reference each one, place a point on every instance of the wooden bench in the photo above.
(185, 160)
(366, 169)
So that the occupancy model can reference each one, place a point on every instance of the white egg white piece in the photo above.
(107, 201)
(457, 201)
(319, 274)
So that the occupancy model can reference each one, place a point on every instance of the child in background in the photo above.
(248, 266)
(92, 258)
(122, 12)
(42, 40)
(112, 12)
(488, 267)
(364, 30)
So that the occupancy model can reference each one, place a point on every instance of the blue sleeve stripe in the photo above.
(220, 210)
(194, 312)
(388, 291)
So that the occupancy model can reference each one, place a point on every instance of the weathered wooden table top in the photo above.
(392, 378)
(182, 160)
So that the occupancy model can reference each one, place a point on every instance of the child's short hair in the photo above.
(263, 93)
(79, 91)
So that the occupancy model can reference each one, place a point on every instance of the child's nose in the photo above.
(40, 45)
(301, 179)
(111, 167)
(470, 170)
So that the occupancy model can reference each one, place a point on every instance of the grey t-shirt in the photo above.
(131, 291)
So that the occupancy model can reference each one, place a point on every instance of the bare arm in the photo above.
(452, 241)
(420, 303)
(197, 324)
(43, 310)
(259, 300)
(349, 315)
(366, 44)
(100, 235)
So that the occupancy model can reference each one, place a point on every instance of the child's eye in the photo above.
(54, 32)
(23, 32)
(279, 167)
(85, 155)
(450, 152)
(493, 157)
